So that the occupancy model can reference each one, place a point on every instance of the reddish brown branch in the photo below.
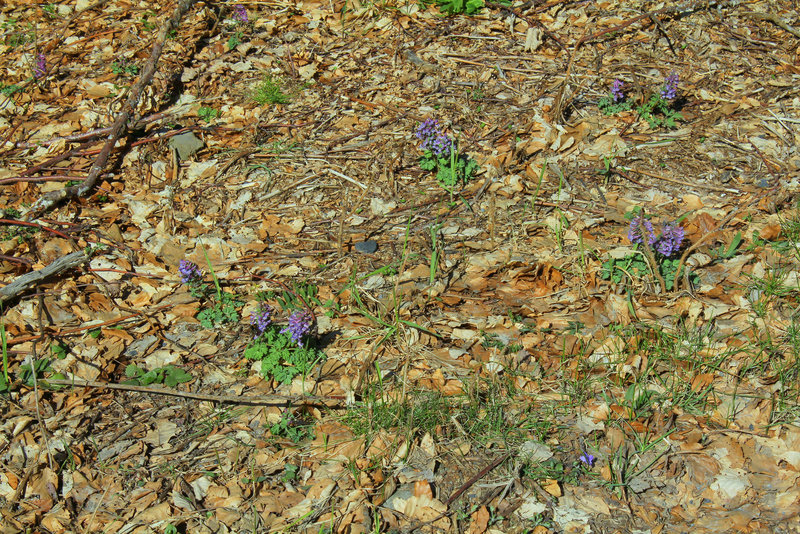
(14, 222)
(85, 136)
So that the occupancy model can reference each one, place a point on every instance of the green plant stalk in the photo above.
(213, 274)
(434, 253)
(380, 379)
(561, 217)
(453, 166)
(396, 302)
(5, 351)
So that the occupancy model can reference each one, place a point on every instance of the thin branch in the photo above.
(52, 199)
(257, 400)
(775, 19)
(28, 280)
(85, 136)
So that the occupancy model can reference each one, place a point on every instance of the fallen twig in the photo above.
(93, 326)
(775, 19)
(50, 200)
(85, 136)
(28, 280)
(257, 400)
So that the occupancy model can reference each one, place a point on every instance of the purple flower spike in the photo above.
(671, 239)
(616, 90)
(299, 325)
(441, 145)
(429, 128)
(641, 227)
(587, 459)
(670, 89)
(261, 319)
(189, 271)
(41, 67)
(240, 13)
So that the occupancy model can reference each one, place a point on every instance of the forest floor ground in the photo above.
(577, 311)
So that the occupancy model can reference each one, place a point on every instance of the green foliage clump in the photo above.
(222, 311)
(281, 357)
(451, 170)
(296, 429)
(440, 153)
(124, 68)
(269, 92)
(10, 90)
(658, 112)
(169, 375)
(207, 114)
(634, 265)
(609, 107)
(467, 7)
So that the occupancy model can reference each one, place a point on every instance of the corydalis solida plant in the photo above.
(41, 67)
(299, 326)
(614, 101)
(441, 154)
(667, 244)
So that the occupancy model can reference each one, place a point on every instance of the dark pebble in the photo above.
(367, 247)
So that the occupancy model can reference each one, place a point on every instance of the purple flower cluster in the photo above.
(587, 459)
(671, 239)
(299, 325)
(240, 13)
(41, 67)
(428, 128)
(261, 319)
(641, 227)
(189, 271)
(433, 139)
(667, 244)
(670, 88)
(616, 91)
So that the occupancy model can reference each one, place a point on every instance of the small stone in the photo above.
(186, 144)
(367, 247)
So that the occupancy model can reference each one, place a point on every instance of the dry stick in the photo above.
(17, 341)
(675, 181)
(14, 259)
(50, 200)
(236, 157)
(257, 400)
(14, 222)
(30, 279)
(50, 178)
(381, 124)
(476, 478)
(775, 19)
(80, 151)
(55, 159)
(482, 473)
(9, 134)
(558, 105)
(534, 22)
(709, 235)
(653, 263)
(766, 164)
(32, 359)
(85, 136)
